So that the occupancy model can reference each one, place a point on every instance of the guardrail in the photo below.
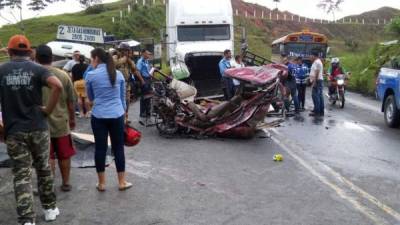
(275, 16)
(280, 16)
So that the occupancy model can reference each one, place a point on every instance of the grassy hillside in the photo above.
(146, 21)
(143, 22)
(365, 67)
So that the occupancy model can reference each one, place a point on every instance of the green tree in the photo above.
(277, 2)
(330, 6)
(352, 44)
(36, 5)
(394, 26)
(15, 7)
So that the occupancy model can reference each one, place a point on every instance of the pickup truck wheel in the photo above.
(392, 114)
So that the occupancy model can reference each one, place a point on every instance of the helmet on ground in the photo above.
(132, 136)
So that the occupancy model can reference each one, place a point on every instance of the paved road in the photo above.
(341, 170)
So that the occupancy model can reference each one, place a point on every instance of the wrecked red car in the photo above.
(176, 113)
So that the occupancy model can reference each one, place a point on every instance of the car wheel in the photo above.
(392, 114)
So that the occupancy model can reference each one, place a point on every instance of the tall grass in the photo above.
(365, 67)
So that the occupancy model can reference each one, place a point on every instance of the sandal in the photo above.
(100, 188)
(126, 186)
(66, 188)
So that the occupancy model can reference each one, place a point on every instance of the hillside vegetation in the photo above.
(147, 21)
(141, 22)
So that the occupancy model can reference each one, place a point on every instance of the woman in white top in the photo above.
(237, 63)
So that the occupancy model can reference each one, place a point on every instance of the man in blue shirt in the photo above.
(301, 73)
(290, 84)
(144, 68)
(226, 82)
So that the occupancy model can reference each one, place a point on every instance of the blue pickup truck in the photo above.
(388, 91)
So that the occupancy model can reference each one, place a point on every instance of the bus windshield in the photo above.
(305, 49)
(204, 33)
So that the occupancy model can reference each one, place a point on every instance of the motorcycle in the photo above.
(338, 90)
(175, 111)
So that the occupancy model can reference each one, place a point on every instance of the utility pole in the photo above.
(21, 21)
(276, 3)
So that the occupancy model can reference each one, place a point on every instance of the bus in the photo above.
(300, 44)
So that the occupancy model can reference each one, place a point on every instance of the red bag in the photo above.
(132, 136)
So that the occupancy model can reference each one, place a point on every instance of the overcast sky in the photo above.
(308, 8)
(302, 7)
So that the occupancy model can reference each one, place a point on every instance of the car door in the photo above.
(396, 71)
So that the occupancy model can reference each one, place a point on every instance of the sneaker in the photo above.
(51, 214)
(28, 223)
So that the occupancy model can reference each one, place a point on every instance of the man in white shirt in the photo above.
(237, 63)
(71, 63)
(317, 79)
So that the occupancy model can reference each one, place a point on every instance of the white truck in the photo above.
(197, 33)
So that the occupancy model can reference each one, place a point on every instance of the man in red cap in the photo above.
(25, 127)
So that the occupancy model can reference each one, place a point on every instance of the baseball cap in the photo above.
(19, 43)
(44, 50)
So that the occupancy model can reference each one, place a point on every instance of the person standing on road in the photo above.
(237, 63)
(226, 82)
(61, 120)
(290, 84)
(128, 69)
(144, 69)
(301, 74)
(71, 63)
(106, 88)
(79, 85)
(317, 85)
(25, 127)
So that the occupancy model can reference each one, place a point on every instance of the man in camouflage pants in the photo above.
(128, 69)
(25, 127)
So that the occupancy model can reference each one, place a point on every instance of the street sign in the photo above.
(81, 34)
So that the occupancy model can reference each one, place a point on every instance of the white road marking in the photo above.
(340, 191)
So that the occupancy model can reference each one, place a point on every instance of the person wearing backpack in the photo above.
(301, 74)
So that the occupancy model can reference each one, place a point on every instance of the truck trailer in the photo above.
(197, 33)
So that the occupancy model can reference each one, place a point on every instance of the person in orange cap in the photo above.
(25, 127)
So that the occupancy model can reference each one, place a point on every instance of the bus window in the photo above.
(321, 48)
(276, 49)
(295, 49)
(282, 49)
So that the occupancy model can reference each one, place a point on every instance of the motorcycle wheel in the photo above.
(342, 101)
(167, 128)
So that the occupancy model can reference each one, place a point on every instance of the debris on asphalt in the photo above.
(201, 184)
(270, 124)
(262, 134)
(278, 158)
